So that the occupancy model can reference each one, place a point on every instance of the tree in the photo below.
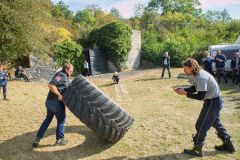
(138, 10)
(61, 9)
(115, 13)
(20, 31)
(68, 52)
(216, 16)
(115, 40)
(180, 6)
(85, 16)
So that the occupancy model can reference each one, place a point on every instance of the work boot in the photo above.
(5, 98)
(35, 142)
(226, 146)
(196, 151)
(61, 141)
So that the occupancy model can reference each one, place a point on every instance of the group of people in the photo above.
(204, 87)
(220, 60)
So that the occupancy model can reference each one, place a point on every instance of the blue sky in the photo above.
(126, 7)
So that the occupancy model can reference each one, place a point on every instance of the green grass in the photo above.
(163, 127)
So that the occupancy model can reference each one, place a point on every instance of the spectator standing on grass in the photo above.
(205, 88)
(235, 69)
(220, 60)
(3, 82)
(207, 62)
(55, 106)
(166, 64)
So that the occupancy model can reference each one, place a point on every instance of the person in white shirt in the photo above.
(86, 68)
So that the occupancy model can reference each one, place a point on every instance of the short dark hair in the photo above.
(192, 63)
(67, 66)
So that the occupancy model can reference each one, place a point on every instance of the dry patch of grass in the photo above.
(164, 122)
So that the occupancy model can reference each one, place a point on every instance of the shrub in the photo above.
(68, 52)
(115, 40)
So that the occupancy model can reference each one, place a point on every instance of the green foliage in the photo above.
(215, 16)
(68, 52)
(115, 40)
(61, 9)
(184, 35)
(115, 13)
(180, 6)
(85, 16)
(86, 21)
(20, 31)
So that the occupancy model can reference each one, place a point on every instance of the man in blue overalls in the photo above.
(55, 105)
(3, 82)
(205, 88)
(220, 60)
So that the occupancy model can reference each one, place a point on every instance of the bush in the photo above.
(115, 40)
(68, 52)
(178, 49)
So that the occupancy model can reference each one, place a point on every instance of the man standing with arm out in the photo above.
(205, 88)
(55, 105)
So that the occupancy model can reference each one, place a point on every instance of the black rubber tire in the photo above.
(96, 110)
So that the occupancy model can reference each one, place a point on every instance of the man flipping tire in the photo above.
(55, 105)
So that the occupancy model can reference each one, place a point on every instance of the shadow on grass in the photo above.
(107, 85)
(20, 147)
(172, 156)
(148, 79)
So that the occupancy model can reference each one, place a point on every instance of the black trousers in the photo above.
(168, 68)
(209, 117)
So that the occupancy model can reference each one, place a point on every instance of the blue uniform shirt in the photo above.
(220, 64)
(208, 63)
(61, 81)
(3, 79)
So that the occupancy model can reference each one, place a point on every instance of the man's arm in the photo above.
(199, 95)
(54, 90)
(190, 93)
(191, 89)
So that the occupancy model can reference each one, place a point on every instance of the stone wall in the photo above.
(40, 70)
(133, 61)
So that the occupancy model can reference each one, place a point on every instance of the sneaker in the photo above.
(61, 141)
(35, 142)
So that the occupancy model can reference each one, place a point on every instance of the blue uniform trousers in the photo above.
(4, 87)
(209, 117)
(57, 108)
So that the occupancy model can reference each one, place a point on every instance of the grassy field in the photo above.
(164, 122)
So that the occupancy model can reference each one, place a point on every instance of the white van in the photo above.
(228, 50)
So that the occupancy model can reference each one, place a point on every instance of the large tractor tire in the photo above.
(96, 110)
